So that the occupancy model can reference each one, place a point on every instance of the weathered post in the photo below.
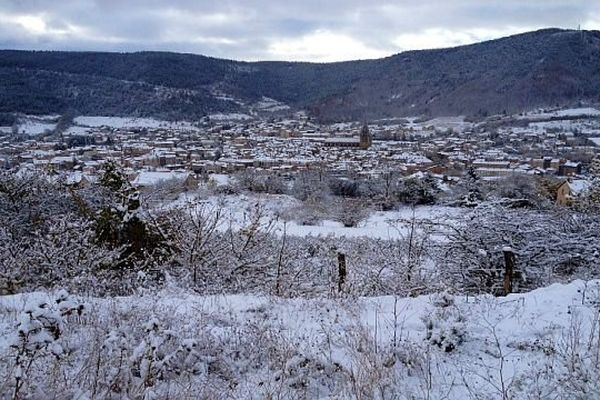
(341, 271)
(509, 269)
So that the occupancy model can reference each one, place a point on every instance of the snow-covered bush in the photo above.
(549, 245)
(445, 323)
(578, 355)
(260, 182)
(39, 334)
(161, 355)
(141, 361)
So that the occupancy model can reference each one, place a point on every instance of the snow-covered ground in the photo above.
(379, 225)
(457, 123)
(569, 112)
(35, 127)
(502, 347)
(122, 122)
(268, 104)
(77, 131)
(282, 209)
(150, 178)
(563, 125)
(595, 140)
(229, 117)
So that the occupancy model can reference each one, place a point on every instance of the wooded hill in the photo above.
(543, 68)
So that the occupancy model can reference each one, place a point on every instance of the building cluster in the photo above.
(444, 147)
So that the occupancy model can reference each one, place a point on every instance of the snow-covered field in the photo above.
(229, 117)
(570, 112)
(380, 225)
(77, 131)
(457, 123)
(122, 122)
(282, 208)
(563, 125)
(434, 347)
(35, 127)
(270, 105)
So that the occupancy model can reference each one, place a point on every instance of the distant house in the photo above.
(570, 168)
(568, 191)
(547, 163)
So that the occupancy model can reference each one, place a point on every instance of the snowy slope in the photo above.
(569, 112)
(380, 224)
(122, 122)
(509, 347)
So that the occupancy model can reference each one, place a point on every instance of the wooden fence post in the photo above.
(342, 272)
(509, 269)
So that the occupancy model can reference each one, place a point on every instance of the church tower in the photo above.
(365, 137)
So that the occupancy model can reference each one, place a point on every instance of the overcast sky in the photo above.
(308, 30)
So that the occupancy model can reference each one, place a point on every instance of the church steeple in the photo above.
(365, 137)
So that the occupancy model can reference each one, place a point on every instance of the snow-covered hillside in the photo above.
(176, 344)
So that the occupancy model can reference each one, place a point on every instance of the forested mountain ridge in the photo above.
(542, 68)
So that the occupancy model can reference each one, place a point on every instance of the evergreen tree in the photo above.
(473, 188)
(122, 221)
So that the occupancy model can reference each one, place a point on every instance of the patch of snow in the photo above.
(220, 179)
(381, 224)
(579, 186)
(569, 112)
(229, 117)
(77, 131)
(151, 178)
(35, 127)
(123, 122)
(268, 104)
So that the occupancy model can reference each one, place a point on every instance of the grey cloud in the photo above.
(246, 29)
